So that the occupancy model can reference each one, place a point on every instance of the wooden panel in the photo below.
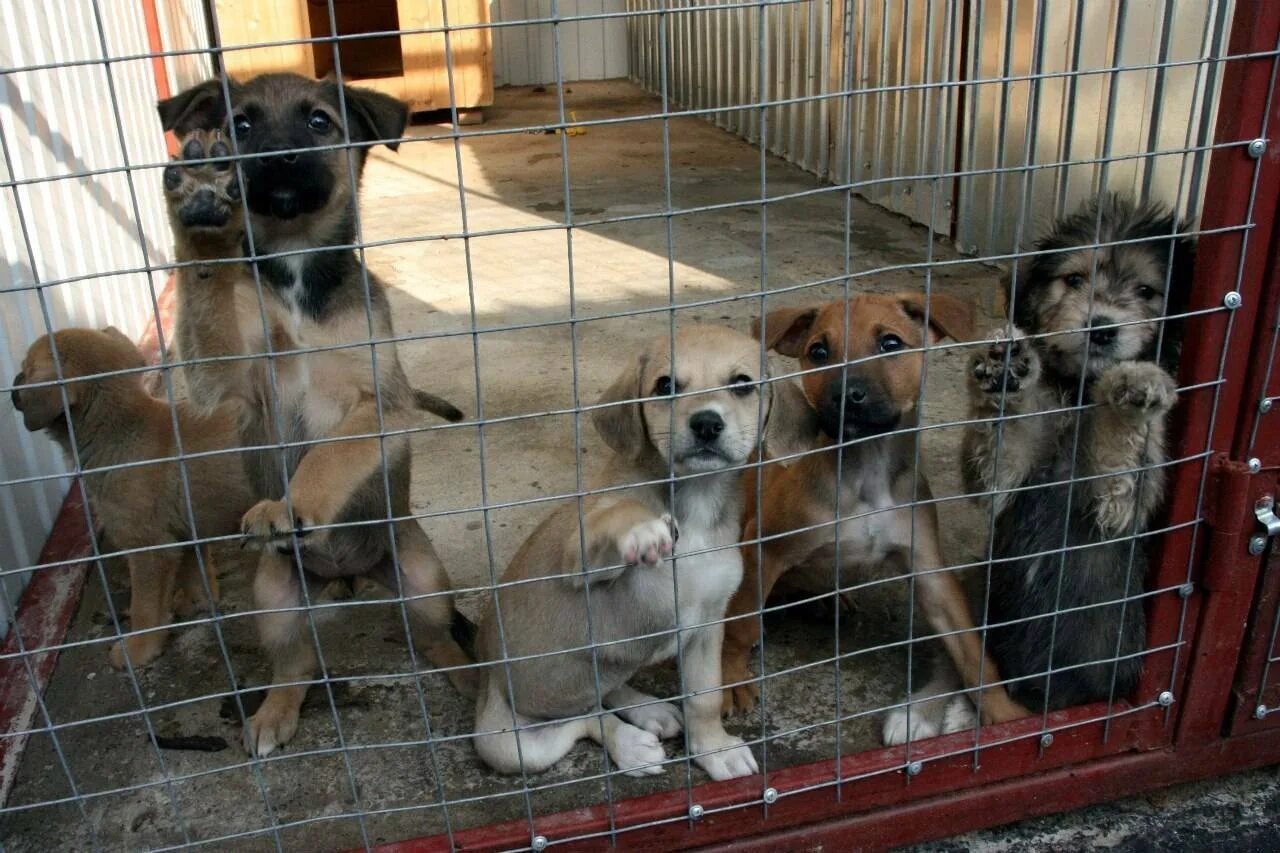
(426, 81)
(242, 22)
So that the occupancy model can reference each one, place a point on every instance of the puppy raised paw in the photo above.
(649, 542)
(268, 524)
(204, 198)
(1009, 366)
(1138, 389)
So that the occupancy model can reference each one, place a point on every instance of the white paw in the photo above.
(648, 542)
(660, 718)
(726, 758)
(898, 729)
(637, 752)
(960, 716)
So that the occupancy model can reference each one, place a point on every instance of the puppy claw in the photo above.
(725, 757)
(637, 752)
(1142, 389)
(270, 728)
(268, 523)
(1007, 366)
(648, 542)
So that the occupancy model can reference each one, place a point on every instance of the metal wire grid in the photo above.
(760, 106)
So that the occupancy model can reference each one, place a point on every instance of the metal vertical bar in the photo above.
(1069, 99)
(353, 178)
(577, 405)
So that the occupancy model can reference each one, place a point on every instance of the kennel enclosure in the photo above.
(971, 119)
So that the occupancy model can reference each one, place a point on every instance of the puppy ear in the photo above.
(621, 425)
(202, 107)
(949, 317)
(375, 116)
(786, 329)
(112, 331)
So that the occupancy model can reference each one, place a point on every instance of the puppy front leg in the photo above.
(722, 755)
(1125, 434)
(998, 454)
(151, 579)
(324, 480)
(620, 534)
(284, 639)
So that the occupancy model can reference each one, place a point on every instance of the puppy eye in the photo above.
(1145, 292)
(241, 124)
(319, 121)
(663, 387)
(890, 343)
(742, 386)
(1074, 280)
(818, 353)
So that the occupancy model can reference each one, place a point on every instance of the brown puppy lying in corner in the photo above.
(867, 400)
(114, 421)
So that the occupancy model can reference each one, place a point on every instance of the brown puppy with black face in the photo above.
(113, 421)
(867, 399)
(301, 197)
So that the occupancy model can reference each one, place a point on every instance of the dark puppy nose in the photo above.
(268, 153)
(20, 379)
(1102, 337)
(855, 391)
(707, 426)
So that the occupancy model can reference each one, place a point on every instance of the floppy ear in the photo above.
(622, 426)
(375, 116)
(949, 317)
(112, 331)
(786, 329)
(202, 107)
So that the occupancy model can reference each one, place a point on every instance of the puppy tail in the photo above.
(437, 406)
(464, 632)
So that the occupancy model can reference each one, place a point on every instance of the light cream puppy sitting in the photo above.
(633, 574)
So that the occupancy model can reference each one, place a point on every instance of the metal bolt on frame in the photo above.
(1260, 712)
(696, 812)
(1257, 148)
(539, 842)
(1046, 740)
(1233, 300)
(914, 768)
(770, 795)
(1165, 698)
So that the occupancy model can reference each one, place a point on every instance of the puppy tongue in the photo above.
(284, 203)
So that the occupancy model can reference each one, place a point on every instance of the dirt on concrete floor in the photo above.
(378, 708)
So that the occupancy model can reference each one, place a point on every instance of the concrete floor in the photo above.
(512, 181)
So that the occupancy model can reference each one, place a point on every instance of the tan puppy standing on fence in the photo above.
(113, 421)
(865, 403)
(640, 549)
(322, 399)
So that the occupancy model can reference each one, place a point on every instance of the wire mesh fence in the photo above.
(863, 423)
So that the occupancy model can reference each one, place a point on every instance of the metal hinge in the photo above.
(1264, 511)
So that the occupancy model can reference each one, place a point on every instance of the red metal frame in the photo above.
(1088, 761)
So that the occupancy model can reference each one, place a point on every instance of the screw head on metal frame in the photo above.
(1265, 405)
(1233, 300)
(1165, 698)
(1260, 712)
(1257, 545)
(1257, 148)
(1255, 465)
(539, 842)
(1046, 740)
(696, 812)
(1185, 590)
(770, 795)
(914, 768)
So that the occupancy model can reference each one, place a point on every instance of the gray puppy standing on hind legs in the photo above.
(647, 603)
(1083, 317)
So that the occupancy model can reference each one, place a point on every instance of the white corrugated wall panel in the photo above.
(868, 92)
(60, 122)
(524, 54)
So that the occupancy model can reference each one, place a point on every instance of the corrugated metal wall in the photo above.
(867, 90)
(524, 54)
(59, 121)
